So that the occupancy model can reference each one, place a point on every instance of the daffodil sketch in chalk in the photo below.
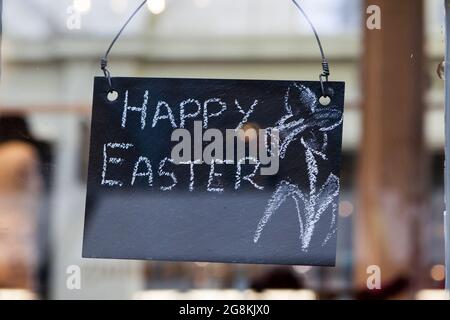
(311, 130)
(314, 204)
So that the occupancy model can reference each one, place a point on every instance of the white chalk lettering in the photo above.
(167, 174)
(249, 176)
(246, 114)
(142, 110)
(147, 173)
(183, 115)
(212, 175)
(112, 160)
(169, 114)
(207, 115)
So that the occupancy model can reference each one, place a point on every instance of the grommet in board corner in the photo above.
(326, 97)
(325, 100)
(112, 95)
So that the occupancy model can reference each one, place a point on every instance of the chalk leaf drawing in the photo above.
(311, 130)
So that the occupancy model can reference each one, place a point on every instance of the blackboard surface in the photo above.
(142, 205)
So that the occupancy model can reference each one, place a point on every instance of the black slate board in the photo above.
(292, 220)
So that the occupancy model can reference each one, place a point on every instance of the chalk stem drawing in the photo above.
(312, 132)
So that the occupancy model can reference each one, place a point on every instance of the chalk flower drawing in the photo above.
(311, 130)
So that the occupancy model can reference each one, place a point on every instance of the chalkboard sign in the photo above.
(237, 171)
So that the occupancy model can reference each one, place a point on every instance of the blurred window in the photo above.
(47, 18)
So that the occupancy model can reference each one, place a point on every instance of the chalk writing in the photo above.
(277, 144)
(314, 203)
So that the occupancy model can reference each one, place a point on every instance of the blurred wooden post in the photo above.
(392, 162)
(447, 145)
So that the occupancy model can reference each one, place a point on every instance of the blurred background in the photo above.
(392, 176)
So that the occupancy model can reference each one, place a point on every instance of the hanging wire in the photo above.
(323, 77)
(104, 60)
(325, 66)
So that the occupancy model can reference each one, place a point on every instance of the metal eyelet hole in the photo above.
(325, 101)
(112, 95)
